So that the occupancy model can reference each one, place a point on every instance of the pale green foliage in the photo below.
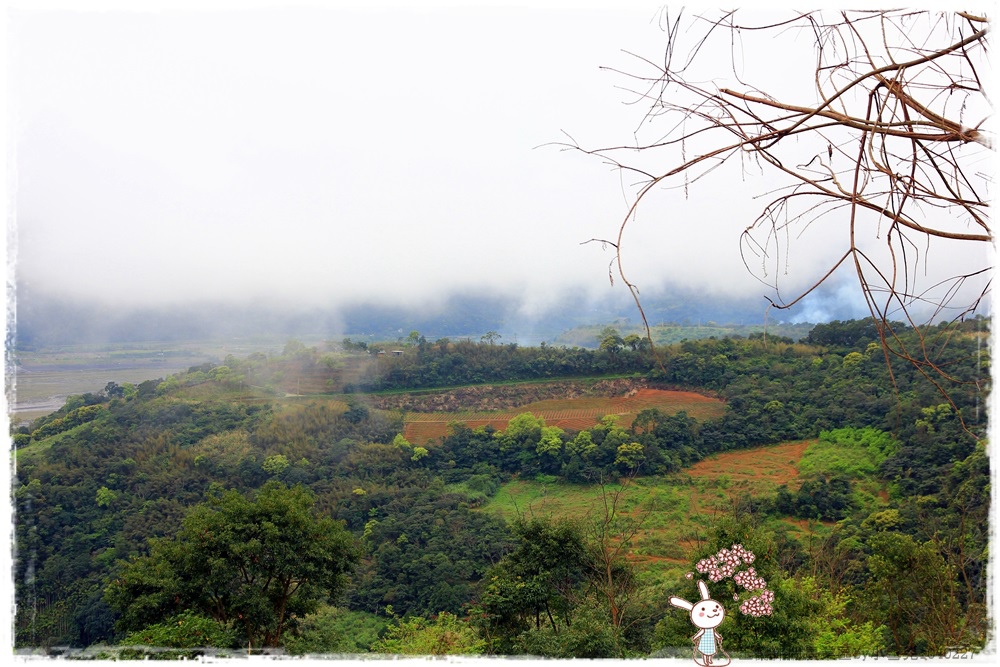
(634, 341)
(275, 465)
(610, 422)
(523, 424)
(70, 420)
(834, 635)
(225, 450)
(522, 431)
(933, 415)
(185, 630)
(105, 496)
(168, 385)
(222, 374)
(444, 635)
(883, 521)
(419, 453)
(630, 455)
(864, 639)
(853, 359)
(551, 441)
(847, 451)
(583, 444)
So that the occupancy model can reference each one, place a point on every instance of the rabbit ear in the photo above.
(705, 595)
(683, 604)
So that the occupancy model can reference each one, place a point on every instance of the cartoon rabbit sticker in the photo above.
(706, 616)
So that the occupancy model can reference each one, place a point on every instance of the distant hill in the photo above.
(43, 320)
(589, 336)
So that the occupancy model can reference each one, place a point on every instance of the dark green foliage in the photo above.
(425, 552)
(565, 590)
(850, 334)
(784, 634)
(820, 498)
(185, 630)
(913, 591)
(447, 363)
(250, 564)
(535, 584)
(589, 637)
(98, 478)
(333, 630)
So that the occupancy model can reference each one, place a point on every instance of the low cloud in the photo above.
(318, 159)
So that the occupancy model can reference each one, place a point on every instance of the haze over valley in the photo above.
(395, 329)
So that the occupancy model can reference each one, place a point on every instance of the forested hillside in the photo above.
(211, 509)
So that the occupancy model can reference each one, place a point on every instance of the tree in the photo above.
(446, 634)
(534, 585)
(611, 533)
(634, 342)
(114, 390)
(915, 592)
(490, 337)
(331, 630)
(186, 630)
(275, 465)
(630, 456)
(250, 563)
(611, 341)
(882, 136)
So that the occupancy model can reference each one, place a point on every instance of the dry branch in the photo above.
(890, 152)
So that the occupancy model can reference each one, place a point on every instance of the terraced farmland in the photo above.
(571, 414)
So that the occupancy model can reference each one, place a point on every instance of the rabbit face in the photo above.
(707, 614)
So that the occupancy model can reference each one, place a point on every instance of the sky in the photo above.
(321, 154)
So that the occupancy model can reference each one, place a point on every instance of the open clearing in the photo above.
(677, 512)
(570, 414)
(777, 464)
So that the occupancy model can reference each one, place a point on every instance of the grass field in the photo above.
(571, 414)
(677, 512)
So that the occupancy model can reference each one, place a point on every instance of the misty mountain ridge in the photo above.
(43, 320)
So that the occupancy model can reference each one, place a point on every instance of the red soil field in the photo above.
(776, 463)
(568, 414)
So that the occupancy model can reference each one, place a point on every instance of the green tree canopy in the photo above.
(446, 634)
(248, 562)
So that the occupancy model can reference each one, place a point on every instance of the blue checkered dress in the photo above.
(707, 643)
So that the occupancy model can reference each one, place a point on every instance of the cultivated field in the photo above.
(677, 512)
(571, 414)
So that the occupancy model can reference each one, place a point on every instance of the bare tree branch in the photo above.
(889, 152)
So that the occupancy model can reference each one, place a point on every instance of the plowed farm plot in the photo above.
(569, 414)
(776, 464)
